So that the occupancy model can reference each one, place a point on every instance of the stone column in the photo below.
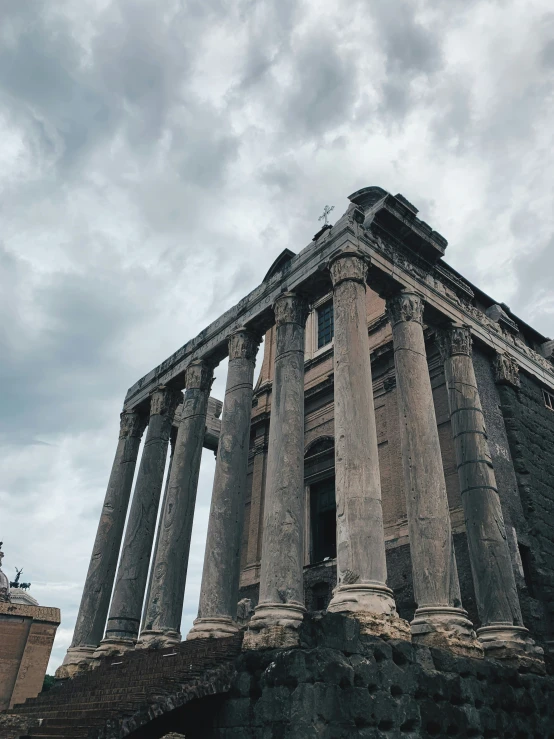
(439, 619)
(361, 563)
(95, 601)
(165, 605)
(124, 619)
(280, 610)
(502, 632)
(220, 578)
(172, 440)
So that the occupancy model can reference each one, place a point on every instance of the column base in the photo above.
(447, 628)
(151, 639)
(373, 606)
(274, 626)
(112, 647)
(512, 645)
(76, 661)
(213, 628)
(366, 597)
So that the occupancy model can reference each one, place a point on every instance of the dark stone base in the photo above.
(341, 683)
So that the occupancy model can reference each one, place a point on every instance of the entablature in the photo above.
(404, 253)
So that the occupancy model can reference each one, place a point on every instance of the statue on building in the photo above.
(4, 582)
(16, 584)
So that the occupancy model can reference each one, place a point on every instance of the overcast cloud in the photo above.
(157, 155)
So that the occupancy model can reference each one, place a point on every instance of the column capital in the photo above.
(243, 344)
(506, 370)
(290, 308)
(348, 265)
(199, 375)
(405, 306)
(132, 423)
(454, 340)
(164, 401)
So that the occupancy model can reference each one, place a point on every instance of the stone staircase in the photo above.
(125, 693)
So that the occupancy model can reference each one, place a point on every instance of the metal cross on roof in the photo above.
(326, 212)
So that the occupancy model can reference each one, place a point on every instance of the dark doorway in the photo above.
(323, 520)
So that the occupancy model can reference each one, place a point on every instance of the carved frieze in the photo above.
(164, 401)
(506, 370)
(243, 344)
(199, 375)
(547, 350)
(132, 424)
(497, 314)
(348, 266)
(290, 308)
(405, 306)
(454, 340)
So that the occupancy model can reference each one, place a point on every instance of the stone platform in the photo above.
(340, 683)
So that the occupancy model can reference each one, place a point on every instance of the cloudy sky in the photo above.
(155, 157)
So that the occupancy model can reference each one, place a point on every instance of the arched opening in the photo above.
(319, 466)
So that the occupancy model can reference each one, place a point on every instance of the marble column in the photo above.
(165, 605)
(126, 607)
(502, 632)
(172, 440)
(95, 601)
(439, 619)
(220, 578)
(361, 562)
(280, 609)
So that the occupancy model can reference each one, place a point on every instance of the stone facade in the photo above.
(26, 638)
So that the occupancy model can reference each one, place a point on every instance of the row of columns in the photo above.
(361, 565)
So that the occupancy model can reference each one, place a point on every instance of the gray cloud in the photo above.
(157, 156)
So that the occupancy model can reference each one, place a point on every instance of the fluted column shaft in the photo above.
(220, 578)
(491, 564)
(165, 605)
(361, 562)
(172, 440)
(429, 524)
(124, 619)
(281, 602)
(95, 601)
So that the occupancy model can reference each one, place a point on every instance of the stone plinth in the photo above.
(26, 637)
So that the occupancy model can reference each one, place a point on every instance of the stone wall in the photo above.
(530, 430)
(26, 637)
(344, 684)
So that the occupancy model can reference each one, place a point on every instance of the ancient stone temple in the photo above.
(380, 544)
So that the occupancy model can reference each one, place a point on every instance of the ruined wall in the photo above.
(343, 684)
(26, 637)
(530, 431)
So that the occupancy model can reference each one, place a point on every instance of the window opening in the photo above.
(325, 324)
(548, 400)
(323, 520)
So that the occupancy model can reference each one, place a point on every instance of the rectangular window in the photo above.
(323, 520)
(548, 400)
(325, 324)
